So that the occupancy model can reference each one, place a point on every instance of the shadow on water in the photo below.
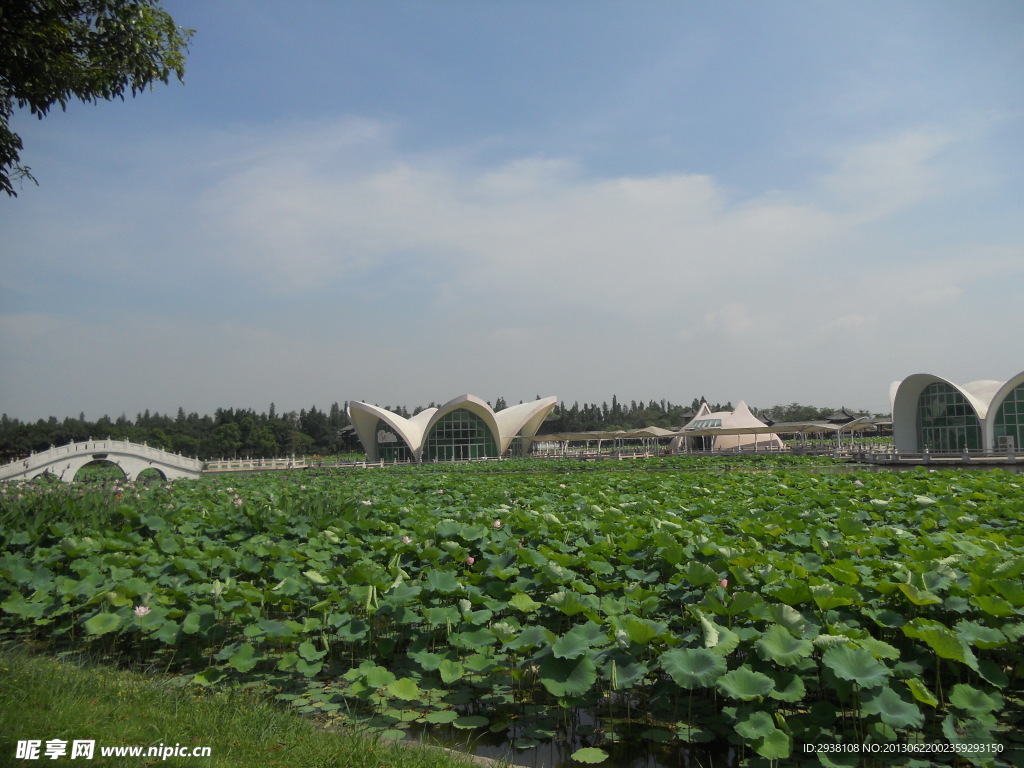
(505, 748)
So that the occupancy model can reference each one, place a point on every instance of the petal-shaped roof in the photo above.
(524, 418)
(997, 401)
(1005, 390)
(364, 418)
(504, 425)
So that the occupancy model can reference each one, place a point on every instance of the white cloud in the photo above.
(937, 297)
(882, 177)
(732, 319)
(535, 231)
(376, 272)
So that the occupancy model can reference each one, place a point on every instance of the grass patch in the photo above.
(44, 698)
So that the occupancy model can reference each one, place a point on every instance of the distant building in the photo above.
(465, 427)
(842, 416)
(929, 412)
(741, 420)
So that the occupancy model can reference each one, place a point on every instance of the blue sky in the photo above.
(404, 201)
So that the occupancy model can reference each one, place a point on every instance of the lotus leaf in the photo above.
(568, 677)
(444, 582)
(308, 668)
(756, 725)
(994, 605)
(591, 755)
(244, 659)
(779, 646)
(103, 623)
(450, 670)
(892, 708)
(789, 686)
(970, 737)
(919, 596)
(856, 665)
(405, 688)
(693, 667)
(775, 746)
(442, 716)
(578, 640)
(745, 684)
(827, 596)
(524, 603)
(972, 700)
(944, 642)
(642, 631)
(920, 692)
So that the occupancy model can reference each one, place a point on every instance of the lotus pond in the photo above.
(726, 618)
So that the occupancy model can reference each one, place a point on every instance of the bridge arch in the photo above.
(132, 459)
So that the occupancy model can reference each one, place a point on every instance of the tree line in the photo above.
(242, 432)
(228, 433)
(663, 413)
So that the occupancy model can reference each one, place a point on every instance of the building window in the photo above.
(706, 424)
(460, 434)
(1009, 422)
(946, 422)
(390, 445)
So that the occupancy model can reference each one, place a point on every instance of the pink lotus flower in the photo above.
(497, 523)
(470, 560)
(406, 540)
(142, 610)
(238, 502)
(723, 583)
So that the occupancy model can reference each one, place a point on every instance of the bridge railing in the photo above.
(55, 453)
(245, 465)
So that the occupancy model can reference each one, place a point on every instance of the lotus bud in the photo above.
(470, 560)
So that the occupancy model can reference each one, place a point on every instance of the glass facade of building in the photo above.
(390, 445)
(706, 424)
(460, 434)
(1009, 421)
(946, 422)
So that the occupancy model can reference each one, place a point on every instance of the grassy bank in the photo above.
(44, 699)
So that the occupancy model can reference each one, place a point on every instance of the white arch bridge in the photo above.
(64, 461)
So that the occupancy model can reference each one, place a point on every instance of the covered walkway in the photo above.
(655, 441)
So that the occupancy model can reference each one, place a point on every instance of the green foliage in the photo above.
(590, 755)
(768, 608)
(53, 52)
(229, 433)
(46, 698)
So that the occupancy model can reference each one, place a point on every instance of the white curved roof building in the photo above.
(739, 419)
(930, 412)
(465, 427)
